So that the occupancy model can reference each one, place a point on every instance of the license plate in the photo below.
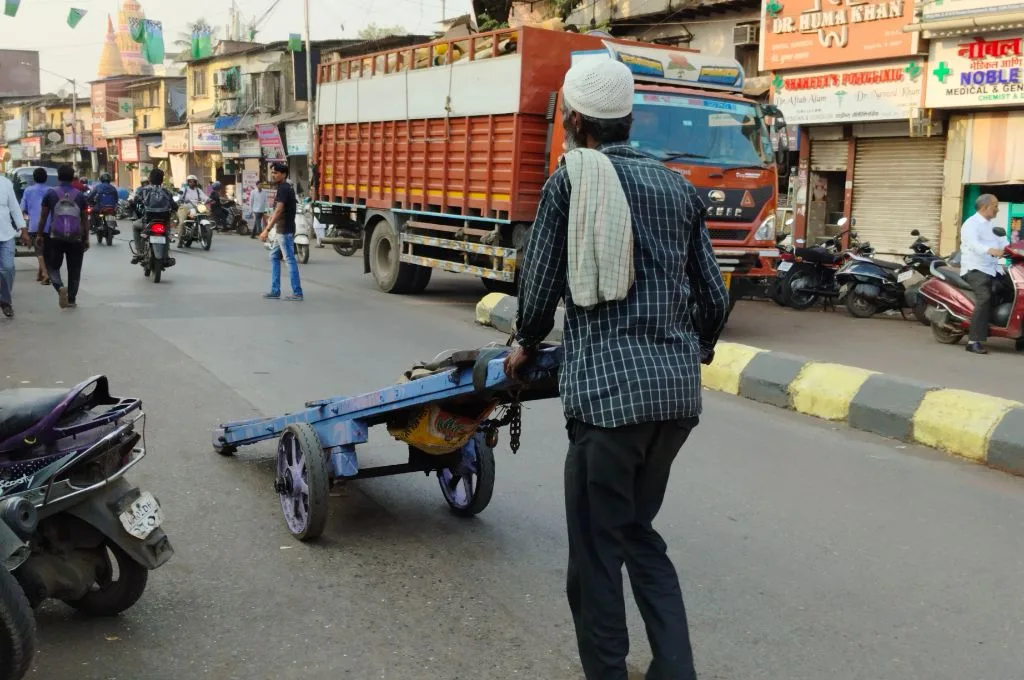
(785, 266)
(727, 279)
(158, 239)
(905, 276)
(142, 517)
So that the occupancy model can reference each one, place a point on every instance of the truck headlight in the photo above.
(766, 232)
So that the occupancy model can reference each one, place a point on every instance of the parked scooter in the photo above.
(303, 234)
(198, 226)
(951, 300)
(73, 528)
(156, 251)
(807, 275)
(103, 223)
(869, 286)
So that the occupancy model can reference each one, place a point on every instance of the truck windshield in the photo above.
(699, 130)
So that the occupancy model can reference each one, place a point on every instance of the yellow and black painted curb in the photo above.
(979, 427)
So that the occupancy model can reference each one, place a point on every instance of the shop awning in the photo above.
(979, 23)
(235, 125)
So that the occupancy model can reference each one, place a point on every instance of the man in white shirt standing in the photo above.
(12, 223)
(258, 207)
(980, 264)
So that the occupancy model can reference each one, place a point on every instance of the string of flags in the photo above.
(74, 16)
(202, 44)
(11, 7)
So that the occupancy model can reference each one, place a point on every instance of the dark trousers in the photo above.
(982, 284)
(54, 253)
(615, 482)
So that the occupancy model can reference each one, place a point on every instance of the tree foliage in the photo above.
(375, 32)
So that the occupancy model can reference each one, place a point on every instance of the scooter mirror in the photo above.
(789, 222)
(842, 222)
(999, 231)
(915, 233)
(853, 234)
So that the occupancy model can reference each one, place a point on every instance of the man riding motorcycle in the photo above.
(152, 202)
(191, 198)
(103, 197)
(217, 209)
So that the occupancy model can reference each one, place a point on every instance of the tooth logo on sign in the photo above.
(747, 201)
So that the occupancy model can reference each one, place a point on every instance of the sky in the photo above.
(74, 53)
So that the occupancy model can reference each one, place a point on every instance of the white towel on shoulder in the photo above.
(600, 239)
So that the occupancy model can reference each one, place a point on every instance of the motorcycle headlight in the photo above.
(766, 232)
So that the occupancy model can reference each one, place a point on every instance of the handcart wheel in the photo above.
(225, 449)
(469, 484)
(303, 482)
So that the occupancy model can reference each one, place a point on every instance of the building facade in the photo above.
(47, 130)
(975, 87)
(852, 77)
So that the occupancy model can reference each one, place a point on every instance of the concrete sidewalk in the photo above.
(974, 425)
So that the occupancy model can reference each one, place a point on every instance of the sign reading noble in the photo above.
(976, 71)
(850, 95)
(807, 33)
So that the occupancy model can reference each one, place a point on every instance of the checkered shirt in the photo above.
(636, 360)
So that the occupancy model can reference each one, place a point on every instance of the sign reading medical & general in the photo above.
(976, 71)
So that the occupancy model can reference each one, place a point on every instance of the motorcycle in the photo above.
(124, 210)
(73, 528)
(155, 256)
(344, 235)
(303, 232)
(869, 286)
(805, 275)
(951, 300)
(198, 226)
(103, 223)
(231, 219)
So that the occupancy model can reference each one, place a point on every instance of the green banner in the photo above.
(153, 45)
(11, 7)
(202, 45)
(75, 16)
(294, 42)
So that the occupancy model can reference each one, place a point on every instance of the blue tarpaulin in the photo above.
(226, 122)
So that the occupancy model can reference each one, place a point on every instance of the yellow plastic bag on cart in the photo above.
(435, 430)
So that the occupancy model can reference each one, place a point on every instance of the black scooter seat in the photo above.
(23, 407)
(953, 277)
(885, 264)
(817, 255)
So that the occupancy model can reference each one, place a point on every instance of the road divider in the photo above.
(975, 426)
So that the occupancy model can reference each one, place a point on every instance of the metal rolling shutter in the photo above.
(897, 187)
(830, 156)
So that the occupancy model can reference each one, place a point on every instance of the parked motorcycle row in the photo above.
(72, 528)
(866, 285)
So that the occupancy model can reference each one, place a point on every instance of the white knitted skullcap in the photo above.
(599, 88)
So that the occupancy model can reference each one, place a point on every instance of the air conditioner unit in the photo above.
(220, 79)
(229, 107)
(746, 34)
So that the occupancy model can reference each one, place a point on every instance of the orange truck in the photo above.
(434, 156)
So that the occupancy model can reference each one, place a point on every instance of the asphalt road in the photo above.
(806, 551)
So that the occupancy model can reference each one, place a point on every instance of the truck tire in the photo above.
(391, 274)
(420, 280)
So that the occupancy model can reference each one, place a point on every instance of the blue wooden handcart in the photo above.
(317, 446)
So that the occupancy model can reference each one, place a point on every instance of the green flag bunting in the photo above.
(137, 29)
(202, 45)
(74, 16)
(11, 7)
(153, 45)
(294, 42)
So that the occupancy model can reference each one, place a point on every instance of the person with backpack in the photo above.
(152, 202)
(66, 235)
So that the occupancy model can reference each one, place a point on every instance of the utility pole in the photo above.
(310, 100)
(74, 112)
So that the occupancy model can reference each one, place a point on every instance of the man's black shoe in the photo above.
(136, 259)
(976, 348)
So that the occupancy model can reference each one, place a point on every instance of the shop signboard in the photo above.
(297, 137)
(130, 150)
(204, 138)
(890, 91)
(814, 33)
(175, 141)
(249, 148)
(31, 148)
(122, 127)
(968, 72)
(270, 142)
(944, 10)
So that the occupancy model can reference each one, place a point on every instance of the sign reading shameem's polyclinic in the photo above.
(888, 91)
(976, 71)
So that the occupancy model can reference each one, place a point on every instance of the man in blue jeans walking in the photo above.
(284, 218)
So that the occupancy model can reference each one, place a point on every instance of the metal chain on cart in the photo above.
(513, 417)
